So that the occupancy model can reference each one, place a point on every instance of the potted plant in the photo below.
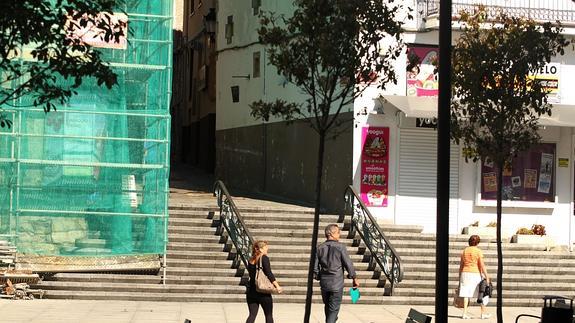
(482, 231)
(536, 236)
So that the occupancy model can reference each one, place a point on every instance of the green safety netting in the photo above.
(92, 178)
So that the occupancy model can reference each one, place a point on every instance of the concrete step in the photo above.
(242, 209)
(507, 286)
(289, 218)
(202, 231)
(518, 273)
(197, 255)
(279, 273)
(417, 243)
(406, 253)
(185, 215)
(195, 246)
(526, 260)
(213, 286)
(191, 208)
(237, 298)
(101, 278)
(195, 238)
(205, 264)
(193, 222)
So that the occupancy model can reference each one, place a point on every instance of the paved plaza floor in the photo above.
(73, 311)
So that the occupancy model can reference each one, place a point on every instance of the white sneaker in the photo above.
(465, 317)
(485, 316)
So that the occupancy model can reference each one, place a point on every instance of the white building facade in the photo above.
(392, 143)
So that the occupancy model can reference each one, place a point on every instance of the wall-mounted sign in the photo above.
(421, 67)
(374, 166)
(548, 77)
(563, 162)
(426, 123)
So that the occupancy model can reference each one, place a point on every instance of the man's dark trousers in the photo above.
(332, 301)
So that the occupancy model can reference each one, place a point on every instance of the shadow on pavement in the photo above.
(186, 177)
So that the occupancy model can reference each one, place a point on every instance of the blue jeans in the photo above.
(332, 301)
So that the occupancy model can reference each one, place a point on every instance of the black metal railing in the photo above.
(232, 222)
(538, 10)
(382, 252)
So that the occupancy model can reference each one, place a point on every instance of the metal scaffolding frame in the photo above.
(96, 171)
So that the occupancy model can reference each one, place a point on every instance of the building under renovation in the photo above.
(87, 186)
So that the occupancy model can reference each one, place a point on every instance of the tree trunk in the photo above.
(318, 180)
(499, 251)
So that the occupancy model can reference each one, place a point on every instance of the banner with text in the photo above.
(374, 165)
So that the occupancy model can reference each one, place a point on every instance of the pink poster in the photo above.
(374, 165)
(422, 78)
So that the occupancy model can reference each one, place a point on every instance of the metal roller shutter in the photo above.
(417, 177)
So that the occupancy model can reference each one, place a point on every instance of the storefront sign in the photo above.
(426, 123)
(548, 76)
(421, 66)
(374, 166)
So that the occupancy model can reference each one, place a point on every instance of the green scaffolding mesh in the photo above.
(92, 178)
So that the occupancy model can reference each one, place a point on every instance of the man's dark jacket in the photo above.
(331, 259)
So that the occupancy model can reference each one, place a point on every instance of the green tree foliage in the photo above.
(331, 50)
(40, 47)
(496, 101)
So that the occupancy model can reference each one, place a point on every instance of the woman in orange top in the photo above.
(471, 270)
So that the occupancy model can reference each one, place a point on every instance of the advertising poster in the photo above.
(374, 165)
(548, 77)
(530, 177)
(421, 77)
(490, 182)
(545, 173)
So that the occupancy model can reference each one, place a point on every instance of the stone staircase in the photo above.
(199, 264)
(529, 271)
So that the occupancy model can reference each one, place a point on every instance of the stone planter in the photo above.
(482, 232)
(533, 239)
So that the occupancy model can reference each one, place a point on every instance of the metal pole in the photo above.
(443, 152)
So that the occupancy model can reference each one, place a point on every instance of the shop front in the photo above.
(537, 185)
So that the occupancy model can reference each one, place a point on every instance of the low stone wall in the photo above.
(43, 235)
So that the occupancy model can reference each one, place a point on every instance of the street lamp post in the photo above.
(443, 157)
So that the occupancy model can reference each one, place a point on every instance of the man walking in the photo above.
(331, 260)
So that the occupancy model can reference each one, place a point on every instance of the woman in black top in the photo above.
(253, 297)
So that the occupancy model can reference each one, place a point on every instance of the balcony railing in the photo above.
(538, 10)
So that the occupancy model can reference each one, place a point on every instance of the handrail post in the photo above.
(392, 275)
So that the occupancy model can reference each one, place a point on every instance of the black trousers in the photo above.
(332, 301)
(255, 300)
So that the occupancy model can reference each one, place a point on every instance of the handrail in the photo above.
(379, 246)
(232, 221)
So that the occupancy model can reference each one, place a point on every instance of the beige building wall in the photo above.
(193, 104)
